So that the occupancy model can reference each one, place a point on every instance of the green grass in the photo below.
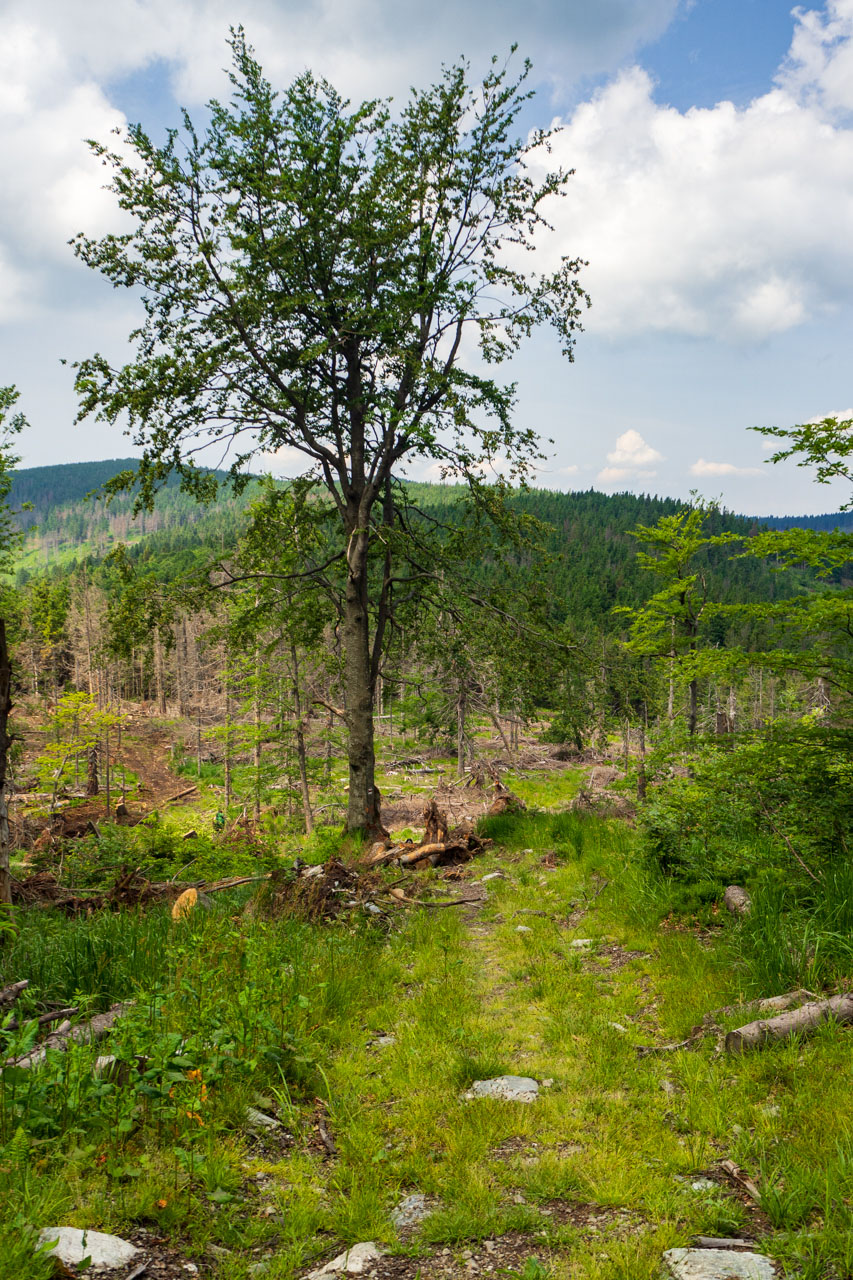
(285, 1012)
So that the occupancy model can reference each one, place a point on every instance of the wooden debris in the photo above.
(505, 802)
(181, 794)
(802, 1021)
(8, 995)
(727, 1242)
(185, 904)
(710, 1025)
(56, 1015)
(323, 1128)
(738, 1176)
(435, 824)
(94, 1029)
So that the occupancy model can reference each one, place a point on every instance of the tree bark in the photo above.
(5, 743)
(92, 772)
(461, 714)
(363, 806)
(301, 753)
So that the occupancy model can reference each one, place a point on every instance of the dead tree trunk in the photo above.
(461, 715)
(301, 753)
(92, 771)
(5, 743)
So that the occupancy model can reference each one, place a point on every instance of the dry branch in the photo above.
(737, 1175)
(56, 1016)
(323, 1129)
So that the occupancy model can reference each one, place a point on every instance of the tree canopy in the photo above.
(310, 274)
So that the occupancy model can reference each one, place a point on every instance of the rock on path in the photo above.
(73, 1245)
(507, 1088)
(717, 1264)
(352, 1262)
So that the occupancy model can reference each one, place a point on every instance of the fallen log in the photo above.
(86, 1032)
(180, 795)
(800, 1021)
(9, 995)
(423, 851)
(710, 1026)
(727, 1242)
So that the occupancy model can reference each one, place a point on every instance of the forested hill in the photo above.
(66, 521)
(826, 523)
(588, 534)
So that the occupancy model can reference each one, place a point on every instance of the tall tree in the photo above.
(309, 273)
(11, 424)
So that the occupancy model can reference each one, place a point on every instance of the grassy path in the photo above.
(617, 1160)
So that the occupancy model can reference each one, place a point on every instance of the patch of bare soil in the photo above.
(145, 750)
(616, 957)
(506, 1254)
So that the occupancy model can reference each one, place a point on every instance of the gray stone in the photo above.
(581, 944)
(703, 1184)
(717, 1264)
(523, 928)
(73, 1245)
(384, 1040)
(411, 1210)
(493, 875)
(352, 1262)
(507, 1088)
(261, 1120)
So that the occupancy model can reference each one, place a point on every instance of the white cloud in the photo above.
(632, 450)
(704, 468)
(720, 222)
(629, 459)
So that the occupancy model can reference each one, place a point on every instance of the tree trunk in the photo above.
(92, 775)
(227, 750)
(301, 753)
(363, 807)
(159, 679)
(461, 710)
(692, 707)
(5, 742)
(641, 767)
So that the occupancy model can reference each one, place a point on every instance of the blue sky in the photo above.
(713, 198)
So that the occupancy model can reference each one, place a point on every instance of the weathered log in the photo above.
(95, 1029)
(737, 900)
(800, 1021)
(418, 855)
(727, 1242)
(187, 791)
(10, 994)
(380, 854)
